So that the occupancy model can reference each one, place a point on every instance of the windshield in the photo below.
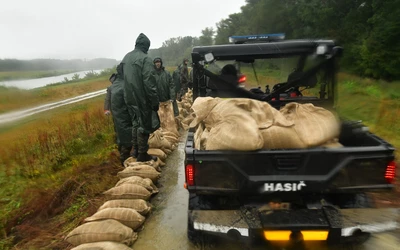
(269, 74)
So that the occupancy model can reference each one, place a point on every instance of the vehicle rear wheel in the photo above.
(198, 237)
(361, 200)
(356, 239)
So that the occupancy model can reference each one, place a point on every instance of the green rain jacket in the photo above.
(165, 85)
(140, 86)
(120, 113)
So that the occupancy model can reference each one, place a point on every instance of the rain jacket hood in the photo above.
(120, 71)
(142, 43)
(154, 61)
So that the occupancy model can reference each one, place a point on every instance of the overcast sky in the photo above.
(67, 29)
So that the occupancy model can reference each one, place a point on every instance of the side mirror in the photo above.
(337, 51)
(209, 57)
(322, 50)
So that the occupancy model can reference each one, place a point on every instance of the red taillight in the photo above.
(293, 94)
(242, 79)
(390, 173)
(190, 175)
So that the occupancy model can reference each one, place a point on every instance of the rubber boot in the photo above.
(142, 157)
(125, 152)
(135, 153)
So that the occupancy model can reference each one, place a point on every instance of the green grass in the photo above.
(20, 75)
(376, 103)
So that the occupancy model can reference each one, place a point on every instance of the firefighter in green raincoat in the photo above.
(141, 96)
(121, 117)
(165, 85)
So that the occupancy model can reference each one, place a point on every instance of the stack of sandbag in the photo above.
(247, 124)
(115, 223)
(162, 142)
(184, 108)
(158, 141)
(167, 118)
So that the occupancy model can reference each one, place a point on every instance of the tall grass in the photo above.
(42, 152)
(54, 142)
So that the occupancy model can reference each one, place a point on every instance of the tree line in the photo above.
(55, 64)
(174, 50)
(369, 31)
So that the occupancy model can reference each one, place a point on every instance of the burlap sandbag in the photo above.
(105, 230)
(186, 105)
(156, 140)
(261, 112)
(127, 216)
(136, 163)
(183, 113)
(158, 153)
(179, 103)
(197, 136)
(152, 163)
(167, 151)
(236, 132)
(144, 182)
(102, 245)
(314, 125)
(160, 162)
(143, 171)
(141, 206)
(204, 138)
(167, 118)
(332, 144)
(129, 161)
(128, 191)
(278, 137)
(178, 121)
(201, 108)
(169, 133)
(171, 137)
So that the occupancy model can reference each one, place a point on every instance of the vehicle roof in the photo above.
(263, 50)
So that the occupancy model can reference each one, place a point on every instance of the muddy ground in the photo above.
(165, 229)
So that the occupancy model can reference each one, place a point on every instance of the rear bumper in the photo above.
(338, 224)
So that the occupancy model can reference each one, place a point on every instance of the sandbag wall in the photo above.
(117, 222)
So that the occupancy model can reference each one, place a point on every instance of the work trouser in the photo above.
(184, 89)
(140, 141)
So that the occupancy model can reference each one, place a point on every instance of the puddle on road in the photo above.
(165, 229)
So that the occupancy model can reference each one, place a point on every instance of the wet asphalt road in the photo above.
(165, 228)
(17, 115)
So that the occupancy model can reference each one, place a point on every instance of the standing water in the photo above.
(41, 82)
